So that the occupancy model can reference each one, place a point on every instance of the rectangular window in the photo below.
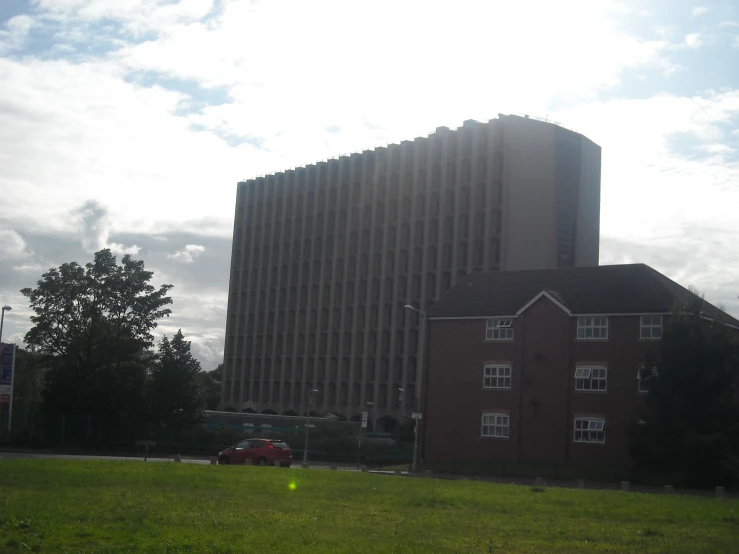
(591, 378)
(651, 327)
(499, 329)
(643, 378)
(497, 377)
(590, 430)
(592, 327)
(495, 425)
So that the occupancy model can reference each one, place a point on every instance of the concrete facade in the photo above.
(325, 256)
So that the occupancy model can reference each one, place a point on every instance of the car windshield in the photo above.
(282, 445)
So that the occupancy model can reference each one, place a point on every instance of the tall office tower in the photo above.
(326, 256)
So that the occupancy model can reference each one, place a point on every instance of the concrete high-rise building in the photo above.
(326, 256)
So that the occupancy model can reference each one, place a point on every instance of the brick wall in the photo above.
(542, 402)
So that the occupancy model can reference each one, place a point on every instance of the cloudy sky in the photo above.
(127, 123)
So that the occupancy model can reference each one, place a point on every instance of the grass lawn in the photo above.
(102, 506)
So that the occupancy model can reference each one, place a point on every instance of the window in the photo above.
(643, 378)
(651, 327)
(592, 327)
(495, 425)
(590, 378)
(497, 377)
(590, 430)
(499, 329)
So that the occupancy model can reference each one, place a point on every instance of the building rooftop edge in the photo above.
(439, 130)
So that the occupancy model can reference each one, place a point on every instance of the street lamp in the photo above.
(2, 320)
(310, 396)
(421, 341)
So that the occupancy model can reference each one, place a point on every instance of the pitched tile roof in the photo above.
(606, 289)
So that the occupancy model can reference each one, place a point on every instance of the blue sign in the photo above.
(6, 364)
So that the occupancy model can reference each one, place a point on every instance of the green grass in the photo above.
(97, 506)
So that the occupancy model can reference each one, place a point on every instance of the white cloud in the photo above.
(14, 36)
(725, 24)
(12, 246)
(102, 138)
(138, 16)
(699, 10)
(96, 230)
(652, 189)
(693, 40)
(187, 255)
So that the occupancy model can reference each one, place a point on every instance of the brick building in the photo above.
(543, 366)
(325, 256)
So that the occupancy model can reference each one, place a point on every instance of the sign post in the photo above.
(7, 370)
(417, 416)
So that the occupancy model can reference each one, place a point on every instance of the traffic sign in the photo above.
(416, 415)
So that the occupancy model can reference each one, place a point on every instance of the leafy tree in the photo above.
(210, 382)
(94, 326)
(174, 392)
(404, 431)
(692, 424)
(28, 382)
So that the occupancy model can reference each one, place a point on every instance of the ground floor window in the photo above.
(495, 425)
(592, 430)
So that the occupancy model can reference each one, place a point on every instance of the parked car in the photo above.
(261, 452)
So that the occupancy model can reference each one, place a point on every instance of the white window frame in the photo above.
(648, 330)
(644, 380)
(591, 378)
(497, 376)
(499, 329)
(495, 425)
(592, 327)
(589, 430)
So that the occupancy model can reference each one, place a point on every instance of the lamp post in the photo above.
(422, 342)
(2, 320)
(310, 396)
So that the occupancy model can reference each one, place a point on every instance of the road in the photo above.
(4, 455)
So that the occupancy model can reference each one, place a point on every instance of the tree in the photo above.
(210, 382)
(28, 382)
(692, 423)
(174, 393)
(94, 326)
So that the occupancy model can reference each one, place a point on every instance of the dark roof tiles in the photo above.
(607, 289)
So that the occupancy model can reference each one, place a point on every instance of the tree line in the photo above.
(91, 349)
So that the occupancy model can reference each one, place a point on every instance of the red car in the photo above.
(261, 452)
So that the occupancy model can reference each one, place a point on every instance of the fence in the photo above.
(330, 440)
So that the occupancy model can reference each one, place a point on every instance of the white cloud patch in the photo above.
(13, 36)
(138, 16)
(693, 40)
(96, 230)
(13, 246)
(699, 10)
(187, 255)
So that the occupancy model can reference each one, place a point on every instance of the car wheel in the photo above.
(262, 462)
(223, 461)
